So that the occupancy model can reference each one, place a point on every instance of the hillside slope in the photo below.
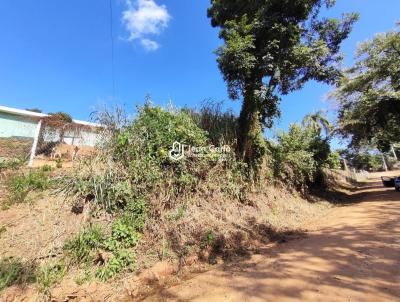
(352, 255)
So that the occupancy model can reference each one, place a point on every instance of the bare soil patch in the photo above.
(351, 255)
(37, 230)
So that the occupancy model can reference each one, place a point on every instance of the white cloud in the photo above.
(144, 18)
(149, 44)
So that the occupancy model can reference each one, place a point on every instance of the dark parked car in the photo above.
(388, 181)
(397, 183)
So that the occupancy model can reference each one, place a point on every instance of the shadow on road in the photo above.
(354, 256)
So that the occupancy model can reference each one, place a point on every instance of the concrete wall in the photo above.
(82, 138)
(17, 126)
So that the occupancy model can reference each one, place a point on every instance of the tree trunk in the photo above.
(251, 145)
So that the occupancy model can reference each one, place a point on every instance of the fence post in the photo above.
(35, 142)
(384, 163)
(345, 165)
(394, 153)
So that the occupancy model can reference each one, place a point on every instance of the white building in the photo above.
(26, 125)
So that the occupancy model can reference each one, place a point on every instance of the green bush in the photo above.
(13, 271)
(19, 185)
(80, 248)
(59, 163)
(299, 156)
(12, 164)
(123, 238)
(334, 161)
(135, 214)
(50, 274)
(123, 235)
(137, 160)
(119, 261)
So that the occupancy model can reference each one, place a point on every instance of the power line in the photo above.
(112, 48)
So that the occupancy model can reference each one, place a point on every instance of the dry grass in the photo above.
(37, 231)
(15, 147)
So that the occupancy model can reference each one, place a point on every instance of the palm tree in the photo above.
(318, 122)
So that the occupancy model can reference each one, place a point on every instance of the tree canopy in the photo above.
(318, 121)
(273, 47)
(369, 94)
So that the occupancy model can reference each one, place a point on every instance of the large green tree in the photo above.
(273, 47)
(369, 94)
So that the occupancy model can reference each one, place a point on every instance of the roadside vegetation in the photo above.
(231, 187)
(159, 208)
(154, 199)
(20, 184)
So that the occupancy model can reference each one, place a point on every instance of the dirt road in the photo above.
(353, 255)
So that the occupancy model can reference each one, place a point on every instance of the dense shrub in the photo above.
(221, 126)
(365, 160)
(133, 177)
(334, 160)
(299, 155)
(148, 193)
(80, 248)
(137, 161)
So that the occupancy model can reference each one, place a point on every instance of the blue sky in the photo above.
(56, 55)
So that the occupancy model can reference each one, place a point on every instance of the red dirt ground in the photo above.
(353, 254)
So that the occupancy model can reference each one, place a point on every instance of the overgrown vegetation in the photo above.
(299, 156)
(20, 184)
(151, 195)
(11, 164)
(13, 271)
(221, 126)
(50, 274)
(165, 181)
(92, 244)
(362, 160)
(136, 179)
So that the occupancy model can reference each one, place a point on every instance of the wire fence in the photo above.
(57, 140)
(65, 142)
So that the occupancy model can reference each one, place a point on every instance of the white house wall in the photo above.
(80, 138)
(12, 125)
(17, 126)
